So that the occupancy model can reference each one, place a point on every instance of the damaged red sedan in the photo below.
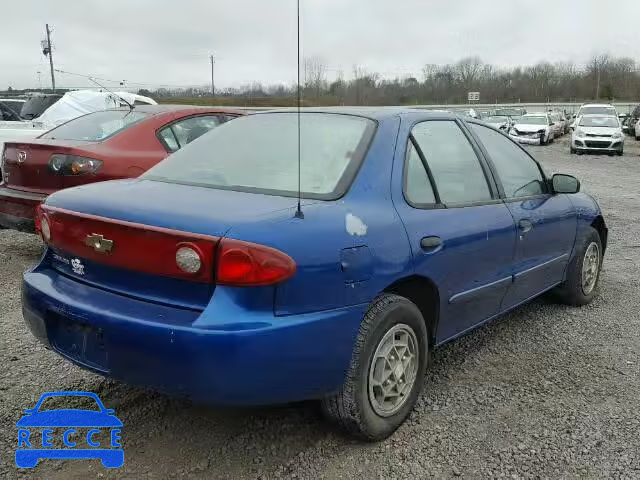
(105, 145)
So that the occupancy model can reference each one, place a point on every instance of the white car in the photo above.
(595, 109)
(597, 133)
(533, 129)
(638, 130)
(501, 122)
(558, 124)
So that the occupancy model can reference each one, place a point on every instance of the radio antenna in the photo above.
(299, 213)
(93, 80)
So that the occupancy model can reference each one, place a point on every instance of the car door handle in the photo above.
(430, 243)
(525, 226)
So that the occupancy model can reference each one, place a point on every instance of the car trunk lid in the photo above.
(123, 235)
(25, 166)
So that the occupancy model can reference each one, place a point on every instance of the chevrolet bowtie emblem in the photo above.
(98, 243)
(22, 156)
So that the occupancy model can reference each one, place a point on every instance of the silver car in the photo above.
(597, 133)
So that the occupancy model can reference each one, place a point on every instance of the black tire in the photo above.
(620, 153)
(351, 407)
(571, 292)
(572, 150)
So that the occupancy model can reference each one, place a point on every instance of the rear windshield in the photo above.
(609, 122)
(259, 153)
(533, 121)
(96, 126)
(34, 107)
(597, 111)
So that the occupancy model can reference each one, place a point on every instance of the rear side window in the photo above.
(418, 189)
(520, 175)
(178, 134)
(458, 175)
(96, 126)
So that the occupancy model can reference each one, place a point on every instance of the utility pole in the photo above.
(598, 84)
(49, 52)
(213, 88)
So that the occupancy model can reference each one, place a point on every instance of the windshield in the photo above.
(96, 126)
(533, 121)
(260, 153)
(598, 111)
(509, 112)
(496, 119)
(609, 122)
(34, 107)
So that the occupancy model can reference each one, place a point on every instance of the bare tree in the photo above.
(315, 75)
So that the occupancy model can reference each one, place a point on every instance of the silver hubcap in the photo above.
(590, 267)
(393, 368)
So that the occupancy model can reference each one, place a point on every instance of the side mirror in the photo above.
(562, 183)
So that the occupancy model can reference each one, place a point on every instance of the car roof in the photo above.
(597, 105)
(536, 114)
(168, 108)
(374, 113)
(12, 100)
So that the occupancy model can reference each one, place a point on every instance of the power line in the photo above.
(141, 84)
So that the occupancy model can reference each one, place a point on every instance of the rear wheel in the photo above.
(583, 273)
(572, 150)
(386, 372)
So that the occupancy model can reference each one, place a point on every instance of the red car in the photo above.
(104, 145)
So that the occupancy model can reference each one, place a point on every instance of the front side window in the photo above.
(260, 153)
(96, 126)
(456, 170)
(178, 134)
(520, 175)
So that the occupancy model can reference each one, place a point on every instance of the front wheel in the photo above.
(583, 273)
(386, 372)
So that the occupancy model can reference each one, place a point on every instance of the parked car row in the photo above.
(286, 256)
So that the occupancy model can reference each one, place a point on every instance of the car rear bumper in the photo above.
(17, 208)
(245, 358)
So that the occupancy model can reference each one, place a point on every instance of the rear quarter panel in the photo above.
(346, 251)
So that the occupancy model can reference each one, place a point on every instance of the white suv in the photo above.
(595, 109)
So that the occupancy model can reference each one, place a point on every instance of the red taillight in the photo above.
(132, 246)
(245, 264)
(40, 219)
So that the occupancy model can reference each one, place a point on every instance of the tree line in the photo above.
(604, 77)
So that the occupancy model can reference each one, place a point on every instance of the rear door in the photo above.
(546, 223)
(462, 235)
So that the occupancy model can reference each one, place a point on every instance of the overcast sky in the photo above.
(167, 42)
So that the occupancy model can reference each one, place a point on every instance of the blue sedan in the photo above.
(204, 278)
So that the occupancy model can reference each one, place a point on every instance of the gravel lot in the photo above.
(546, 392)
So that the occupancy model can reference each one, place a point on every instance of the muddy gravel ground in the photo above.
(545, 392)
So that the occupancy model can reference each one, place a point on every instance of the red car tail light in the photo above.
(73, 164)
(132, 246)
(41, 224)
(245, 264)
